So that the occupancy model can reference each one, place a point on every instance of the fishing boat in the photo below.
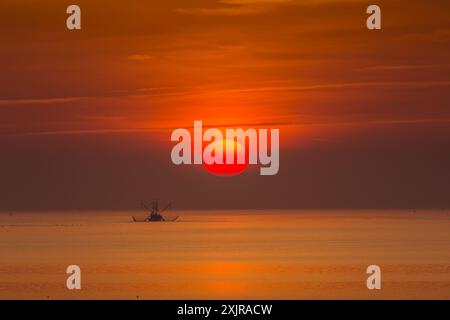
(155, 213)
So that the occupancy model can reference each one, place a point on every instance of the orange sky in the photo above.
(142, 68)
(156, 64)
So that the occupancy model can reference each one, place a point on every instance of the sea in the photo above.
(235, 254)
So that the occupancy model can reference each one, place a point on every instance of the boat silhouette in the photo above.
(155, 213)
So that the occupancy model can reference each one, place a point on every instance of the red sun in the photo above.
(225, 169)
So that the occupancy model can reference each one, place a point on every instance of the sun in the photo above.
(226, 169)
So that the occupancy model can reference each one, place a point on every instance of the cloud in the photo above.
(38, 101)
(220, 11)
(86, 132)
(246, 7)
(404, 67)
(169, 91)
(235, 7)
(139, 92)
(243, 2)
(295, 121)
(140, 57)
(350, 85)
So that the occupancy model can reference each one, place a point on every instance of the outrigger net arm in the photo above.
(144, 205)
(167, 207)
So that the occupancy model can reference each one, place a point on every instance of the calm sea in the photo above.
(303, 254)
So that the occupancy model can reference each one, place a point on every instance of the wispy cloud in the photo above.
(86, 132)
(235, 7)
(39, 101)
(294, 122)
(403, 67)
(139, 92)
(349, 85)
(140, 57)
(168, 91)
(246, 7)
(220, 11)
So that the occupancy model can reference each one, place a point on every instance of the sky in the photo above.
(86, 116)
